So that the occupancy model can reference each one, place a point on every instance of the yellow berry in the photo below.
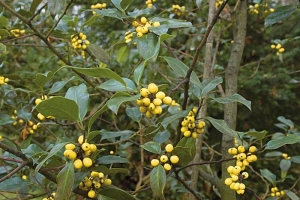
(101, 175)
(135, 23)
(92, 194)
(97, 185)
(232, 151)
(94, 174)
(230, 169)
(154, 162)
(240, 191)
(241, 149)
(143, 109)
(151, 106)
(24, 177)
(146, 101)
(174, 159)
(187, 133)
(87, 162)
(167, 167)
(37, 101)
(80, 139)
(144, 92)
(152, 88)
(164, 158)
(148, 114)
(274, 189)
(139, 102)
(242, 186)
(252, 149)
(241, 156)
(157, 102)
(111, 152)
(156, 24)
(139, 34)
(194, 135)
(201, 124)
(245, 175)
(93, 147)
(77, 164)
(85, 146)
(234, 177)
(236, 170)
(228, 181)
(252, 158)
(107, 182)
(167, 100)
(281, 50)
(169, 148)
(273, 46)
(160, 95)
(144, 20)
(277, 194)
(70, 146)
(278, 46)
(71, 155)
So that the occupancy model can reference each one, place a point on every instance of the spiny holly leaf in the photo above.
(152, 147)
(158, 181)
(289, 139)
(60, 108)
(65, 180)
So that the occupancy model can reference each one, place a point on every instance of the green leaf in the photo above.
(80, 95)
(162, 136)
(110, 171)
(115, 102)
(167, 23)
(185, 150)
(136, 12)
(65, 180)
(273, 154)
(34, 5)
(279, 14)
(90, 21)
(287, 122)
(42, 79)
(121, 5)
(291, 195)
(285, 165)
(115, 86)
(96, 115)
(295, 159)
(258, 134)
(3, 21)
(114, 134)
(268, 175)
(99, 53)
(53, 151)
(115, 193)
(134, 113)
(32, 150)
(111, 159)
(177, 115)
(114, 13)
(146, 45)
(152, 147)
(14, 184)
(56, 6)
(60, 108)
(24, 114)
(181, 69)
(210, 84)
(6, 120)
(234, 98)
(158, 181)
(221, 126)
(122, 54)
(138, 72)
(289, 139)
(59, 85)
(4, 32)
(100, 73)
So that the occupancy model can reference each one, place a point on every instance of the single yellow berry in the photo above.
(174, 159)
(230, 169)
(71, 155)
(92, 194)
(24, 177)
(111, 152)
(187, 133)
(228, 181)
(236, 170)
(144, 92)
(156, 24)
(167, 100)
(94, 174)
(93, 147)
(232, 151)
(167, 167)
(160, 95)
(164, 158)
(169, 148)
(107, 182)
(240, 191)
(154, 162)
(37, 101)
(281, 50)
(157, 102)
(87, 162)
(201, 124)
(143, 20)
(77, 164)
(70, 146)
(252, 158)
(85, 146)
(273, 46)
(278, 46)
(252, 149)
(245, 175)
(139, 34)
(234, 177)
(80, 139)
(241, 149)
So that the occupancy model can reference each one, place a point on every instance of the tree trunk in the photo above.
(231, 75)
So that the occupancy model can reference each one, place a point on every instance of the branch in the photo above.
(10, 174)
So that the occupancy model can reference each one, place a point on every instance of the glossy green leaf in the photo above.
(114, 103)
(99, 53)
(80, 95)
(6, 120)
(60, 108)
(34, 5)
(139, 71)
(115, 193)
(111, 12)
(268, 175)
(285, 165)
(122, 54)
(280, 13)
(158, 181)
(181, 69)
(100, 73)
(185, 150)
(162, 136)
(152, 147)
(24, 114)
(59, 85)
(176, 116)
(4, 32)
(96, 115)
(287, 122)
(221, 126)
(291, 195)
(14, 184)
(295, 159)
(136, 12)
(115, 86)
(110, 171)
(210, 84)
(53, 151)
(32, 150)
(134, 113)
(65, 180)
(90, 21)
(289, 139)
(146, 45)
(273, 154)
(42, 79)
(111, 159)
(114, 134)
(56, 6)
(3, 21)
(258, 134)
(234, 98)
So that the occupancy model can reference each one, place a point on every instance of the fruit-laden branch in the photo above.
(29, 163)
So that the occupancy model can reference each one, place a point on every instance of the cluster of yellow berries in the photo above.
(142, 26)
(286, 156)
(189, 127)
(80, 42)
(164, 159)
(152, 99)
(253, 9)
(236, 172)
(51, 197)
(276, 193)
(94, 182)
(278, 47)
(30, 126)
(177, 10)
(17, 32)
(128, 36)
(3, 80)
(149, 3)
(39, 115)
(98, 6)
(218, 3)
(80, 155)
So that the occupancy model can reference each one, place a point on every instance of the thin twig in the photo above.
(13, 171)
